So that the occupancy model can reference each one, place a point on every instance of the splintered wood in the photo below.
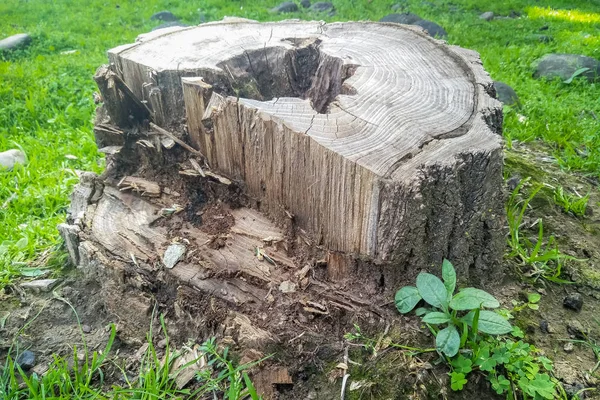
(379, 140)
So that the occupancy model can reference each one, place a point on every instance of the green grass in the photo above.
(46, 104)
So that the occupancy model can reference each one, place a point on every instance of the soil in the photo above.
(310, 345)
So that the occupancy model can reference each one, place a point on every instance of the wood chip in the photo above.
(139, 185)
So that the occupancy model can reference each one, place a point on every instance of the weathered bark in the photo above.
(326, 165)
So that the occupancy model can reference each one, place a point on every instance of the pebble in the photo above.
(173, 255)
(86, 329)
(287, 7)
(574, 301)
(287, 287)
(322, 6)
(506, 94)
(433, 29)
(163, 16)
(576, 329)
(487, 16)
(26, 360)
(15, 41)
(10, 158)
(403, 18)
(569, 347)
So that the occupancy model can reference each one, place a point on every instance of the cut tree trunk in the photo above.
(333, 160)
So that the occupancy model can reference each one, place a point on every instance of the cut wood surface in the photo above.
(380, 140)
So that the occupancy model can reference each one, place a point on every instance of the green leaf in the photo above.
(462, 364)
(489, 322)
(533, 297)
(576, 74)
(432, 290)
(419, 312)
(407, 298)
(449, 277)
(471, 298)
(501, 384)
(32, 272)
(436, 318)
(517, 332)
(447, 341)
(540, 385)
(457, 381)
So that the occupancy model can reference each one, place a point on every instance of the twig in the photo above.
(176, 139)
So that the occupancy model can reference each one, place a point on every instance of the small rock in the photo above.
(287, 287)
(287, 7)
(433, 29)
(169, 25)
(506, 94)
(487, 16)
(10, 158)
(404, 18)
(513, 182)
(564, 66)
(305, 3)
(574, 301)
(86, 328)
(15, 41)
(162, 343)
(173, 255)
(544, 326)
(568, 347)
(575, 389)
(26, 360)
(163, 16)
(323, 6)
(576, 329)
(536, 37)
(40, 285)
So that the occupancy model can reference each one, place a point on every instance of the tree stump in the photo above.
(318, 166)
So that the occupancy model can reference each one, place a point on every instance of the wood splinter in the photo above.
(176, 140)
(139, 185)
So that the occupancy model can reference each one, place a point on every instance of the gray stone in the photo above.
(536, 37)
(305, 3)
(40, 285)
(488, 16)
(26, 360)
(322, 6)
(15, 41)
(506, 94)
(173, 255)
(163, 16)
(564, 66)
(287, 7)
(576, 329)
(287, 287)
(10, 158)
(433, 29)
(574, 301)
(86, 329)
(569, 347)
(169, 25)
(404, 18)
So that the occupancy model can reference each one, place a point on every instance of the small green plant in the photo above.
(573, 204)
(471, 339)
(461, 313)
(532, 302)
(538, 258)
